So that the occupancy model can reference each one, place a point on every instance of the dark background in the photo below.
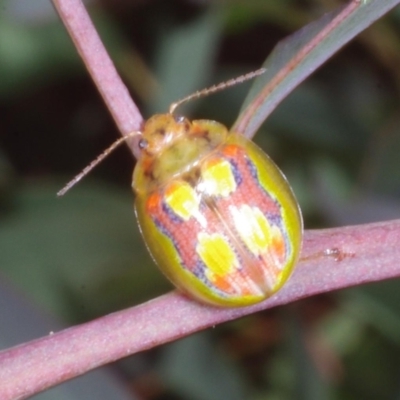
(336, 137)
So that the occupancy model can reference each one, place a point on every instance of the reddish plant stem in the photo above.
(358, 254)
(102, 70)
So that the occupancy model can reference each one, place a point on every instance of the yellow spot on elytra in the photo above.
(182, 199)
(217, 255)
(256, 231)
(217, 177)
(222, 266)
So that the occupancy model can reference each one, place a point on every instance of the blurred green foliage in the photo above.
(337, 138)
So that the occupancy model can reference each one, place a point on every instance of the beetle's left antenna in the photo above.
(95, 162)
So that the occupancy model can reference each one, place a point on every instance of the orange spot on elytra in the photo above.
(222, 283)
(234, 283)
(278, 246)
(231, 150)
(152, 202)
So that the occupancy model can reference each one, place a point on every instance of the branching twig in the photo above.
(102, 70)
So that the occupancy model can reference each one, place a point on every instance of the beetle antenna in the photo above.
(95, 162)
(217, 88)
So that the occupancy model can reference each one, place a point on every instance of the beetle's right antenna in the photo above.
(217, 88)
(95, 162)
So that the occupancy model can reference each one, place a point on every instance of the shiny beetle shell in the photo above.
(216, 213)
